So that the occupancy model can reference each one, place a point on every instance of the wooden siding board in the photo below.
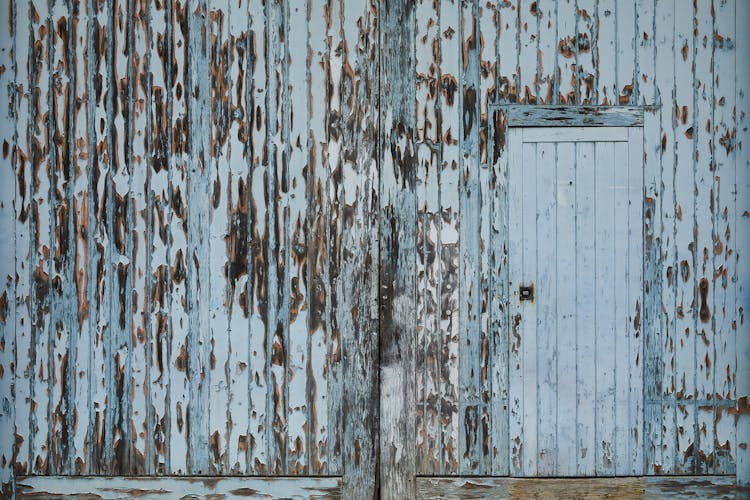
(299, 425)
(22, 203)
(317, 259)
(567, 53)
(684, 243)
(398, 230)
(258, 213)
(334, 125)
(548, 43)
(585, 314)
(358, 301)
(634, 460)
(238, 240)
(724, 242)
(742, 221)
(472, 339)
(517, 343)
(427, 134)
(507, 74)
(547, 327)
(704, 166)
(528, 51)
(60, 278)
(587, 63)
(8, 252)
(500, 324)
(565, 339)
(449, 234)
(219, 189)
(607, 53)
(178, 252)
(138, 140)
(159, 144)
(41, 227)
(81, 154)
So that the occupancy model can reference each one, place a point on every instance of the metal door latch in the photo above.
(526, 292)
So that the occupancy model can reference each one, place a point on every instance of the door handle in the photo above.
(526, 292)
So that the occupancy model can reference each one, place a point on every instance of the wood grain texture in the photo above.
(230, 221)
(398, 253)
(632, 487)
(175, 488)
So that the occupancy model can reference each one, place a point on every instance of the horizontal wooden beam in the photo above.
(611, 487)
(166, 488)
(573, 116)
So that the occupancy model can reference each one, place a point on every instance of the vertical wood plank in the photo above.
(449, 234)
(238, 239)
(319, 283)
(528, 51)
(507, 74)
(486, 33)
(586, 302)
(360, 258)
(8, 252)
(119, 219)
(684, 132)
(517, 343)
(664, 80)
(724, 240)
(621, 294)
(159, 240)
(258, 291)
(275, 344)
(646, 92)
(607, 50)
(61, 277)
(605, 224)
(41, 233)
(398, 228)
(428, 129)
(626, 17)
(139, 160)
(100, 234)
(24, 246)
(635, 279)
(704, 232)
(587, 63)
(81, 339)
(567, 53)
(566, 293)
(472, 343)
(333, 234)
(219, 421)
(198, 217)
(528, 415)
(297, 376)
(547, 328)
(742, 219)
(547, 69)
(178, 252)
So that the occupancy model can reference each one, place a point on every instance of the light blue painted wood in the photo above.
(568, 179)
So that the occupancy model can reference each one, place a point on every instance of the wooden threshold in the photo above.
(580, 488)
(168, 488)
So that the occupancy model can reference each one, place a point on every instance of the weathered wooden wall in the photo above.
(188, 183)
(681, 59)
(203, 199)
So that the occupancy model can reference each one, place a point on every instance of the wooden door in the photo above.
(575, 290)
